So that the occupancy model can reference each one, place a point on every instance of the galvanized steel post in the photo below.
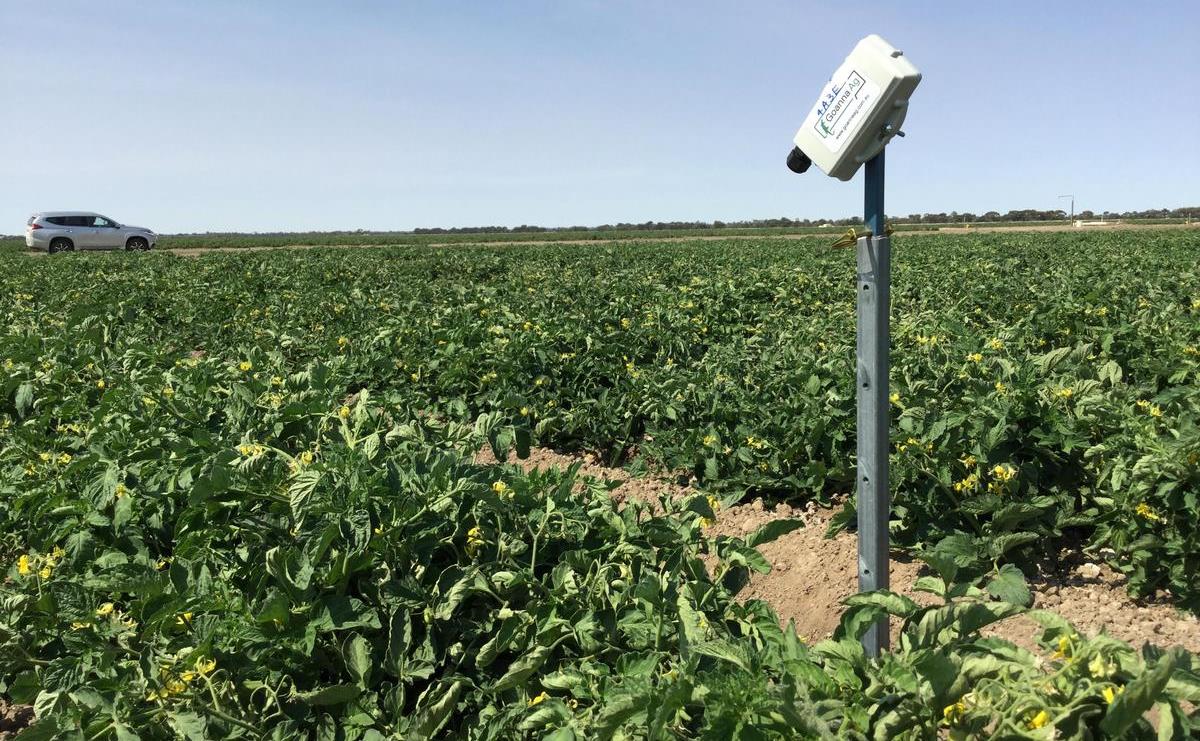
(873, 341)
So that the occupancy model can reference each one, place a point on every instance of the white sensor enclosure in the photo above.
(860, 109)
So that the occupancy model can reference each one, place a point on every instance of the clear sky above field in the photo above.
(223, 115)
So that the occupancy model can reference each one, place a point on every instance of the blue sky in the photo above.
(221, 115)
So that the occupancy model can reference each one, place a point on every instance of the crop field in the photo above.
(241, 493)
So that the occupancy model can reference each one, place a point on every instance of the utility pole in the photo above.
(1072, 197)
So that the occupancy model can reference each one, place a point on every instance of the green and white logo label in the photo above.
(841, 109)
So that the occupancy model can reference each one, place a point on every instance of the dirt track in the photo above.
(812, 574)
(830, 234)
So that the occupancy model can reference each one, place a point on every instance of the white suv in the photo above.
(65, 231)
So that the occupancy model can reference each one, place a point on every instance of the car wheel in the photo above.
(137, 243)
(60, 245)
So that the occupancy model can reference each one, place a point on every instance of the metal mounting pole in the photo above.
(874, 301)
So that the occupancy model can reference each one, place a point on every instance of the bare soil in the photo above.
(13, 719)
(812, 574)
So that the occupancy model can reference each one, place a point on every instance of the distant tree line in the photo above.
(1027, 214)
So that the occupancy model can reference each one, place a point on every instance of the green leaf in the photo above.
(886, 600)
(719, 648)
(455, 595)
(958, 620)
(522, 669)
(1140, 695)
(188, 725)
(293, 571)
(772, 531)
(522, 442)
(370, 446)
(24, 399)
(332, 695)
(499, 641)
(358, 659)
(304, 483)
(342, 613)
(1009, 585)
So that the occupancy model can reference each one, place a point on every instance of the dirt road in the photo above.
(832, 234)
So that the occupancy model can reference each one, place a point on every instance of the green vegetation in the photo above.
(238, 496)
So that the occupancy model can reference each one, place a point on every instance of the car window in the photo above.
(60, 220)
(101, 221)
(79, 221)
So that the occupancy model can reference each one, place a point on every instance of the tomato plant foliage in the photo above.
(241, 496)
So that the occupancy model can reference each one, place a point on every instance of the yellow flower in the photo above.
(1100, 668)
(969, 461)
(306, 458)
(894, 398)
(44, 457)
(183, 619)
(104, 610)
(206, 667)
(1064, 648)
(995, 344)
(64, 458)
(1110, 694)
(710, 440)
(276, 381)
(45, 571)
(967, 484)
(415, 376)
(540, 698)
(344, 412)
(975, 357)
(1146, 511)
(1155, 410)
(502, 489)
(100, 384)
(343, 342)
(1004, 472)
(168, 392)
(953, 714)
(475, 540)
(1001, 388)
(524, 411)
(625, 323)
(245, 366)
(1039, 720)
(23, 565)
(80, 626)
